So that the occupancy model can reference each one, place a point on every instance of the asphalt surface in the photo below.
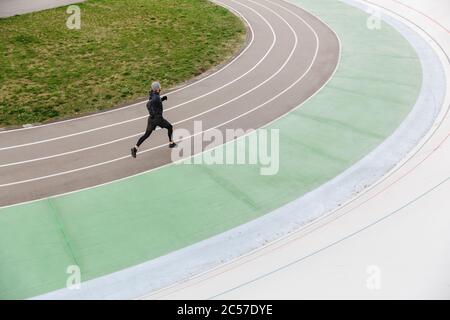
(14, 7)
(284, 52)
(389, 242)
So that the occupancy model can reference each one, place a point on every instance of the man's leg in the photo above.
(167, 125)
(150, 127)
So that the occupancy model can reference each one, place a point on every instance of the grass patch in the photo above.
(49, 72)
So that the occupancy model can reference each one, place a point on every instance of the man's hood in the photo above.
(152, 93)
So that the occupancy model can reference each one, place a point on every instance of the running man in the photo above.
(155, 108)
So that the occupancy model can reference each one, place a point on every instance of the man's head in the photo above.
(156, 87)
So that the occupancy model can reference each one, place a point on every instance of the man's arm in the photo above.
(158, 106)
(150, 109)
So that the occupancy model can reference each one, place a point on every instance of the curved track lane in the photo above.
(288, 58)
(332, 257)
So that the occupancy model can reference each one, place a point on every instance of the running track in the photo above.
(287, 59)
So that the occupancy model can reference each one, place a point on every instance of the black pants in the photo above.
(152, 124)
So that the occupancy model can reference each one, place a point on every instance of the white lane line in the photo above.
(168, 94)
(175, 123)
(119, 274)
(318, 223)
(217, 126)
(161, 293)
(169, 164)
(168, 109)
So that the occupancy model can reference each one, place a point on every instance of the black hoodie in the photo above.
(154, 105)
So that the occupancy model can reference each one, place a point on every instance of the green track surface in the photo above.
(119, 225)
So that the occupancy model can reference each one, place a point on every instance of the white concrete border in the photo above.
(204, 255)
